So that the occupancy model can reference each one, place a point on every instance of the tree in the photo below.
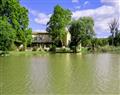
(76, 30)
(6, 35)
(81, 31)
(89, 31)
(57, 24)
(113, 26)
(117, 39)
(100, 42)
(17, 16)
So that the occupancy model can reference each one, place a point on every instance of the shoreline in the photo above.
(106, 49)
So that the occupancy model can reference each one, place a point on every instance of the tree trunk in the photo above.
(75, 49)
(61, 43)
(24, 46)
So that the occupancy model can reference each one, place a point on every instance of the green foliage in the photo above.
(34, 48)
(17, 16)
(13, 47)
(89, 31)
(63, 50)
(53, 48)
(58, 22)
(114, 41)
(29, 36)
(76, 30)
(81, 31)
(117, 39)
(111, 49)
(100, 42)
(7, 35)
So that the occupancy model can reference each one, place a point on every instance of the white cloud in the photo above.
(40, 18)
(102, 16)
(33, 12)
(86, 2)
(77, 7)
(101, 11)
(75, 1)
(111, 2)
(115, 4)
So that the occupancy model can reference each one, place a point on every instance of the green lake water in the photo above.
(60, 74)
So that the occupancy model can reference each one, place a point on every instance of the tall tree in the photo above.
(6, 35)
(17, 16)
(81, 31)
(76, 30)
(113, 26)
(89, 31)
(58, 22)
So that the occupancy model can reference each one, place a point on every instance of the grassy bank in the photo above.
(104, 49)
(111, 49)
(27, 53)
(24, 53)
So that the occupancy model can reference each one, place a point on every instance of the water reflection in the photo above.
(14, 76)
(106, 75)
(70, 75)
(39, 74)
(61, 74)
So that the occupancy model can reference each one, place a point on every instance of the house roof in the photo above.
(40, 33)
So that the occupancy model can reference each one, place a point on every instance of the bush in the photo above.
(53, 48)
(63, 50)
(4, 53)
(34, 49)
(13, 47)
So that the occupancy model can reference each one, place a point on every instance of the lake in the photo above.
(60, 74)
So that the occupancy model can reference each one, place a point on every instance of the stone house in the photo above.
(43, 39)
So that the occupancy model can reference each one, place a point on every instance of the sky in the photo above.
(102, 11)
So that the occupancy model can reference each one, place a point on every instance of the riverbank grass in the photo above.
(26, 53)
(111, 49)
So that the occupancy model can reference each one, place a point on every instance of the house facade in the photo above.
(44, 39)
(67, 39)
(41, 38)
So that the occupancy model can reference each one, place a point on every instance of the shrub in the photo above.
(53, 48)
(13, 47)
(34, 49)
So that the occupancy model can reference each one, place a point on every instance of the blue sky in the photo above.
(102, 11)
